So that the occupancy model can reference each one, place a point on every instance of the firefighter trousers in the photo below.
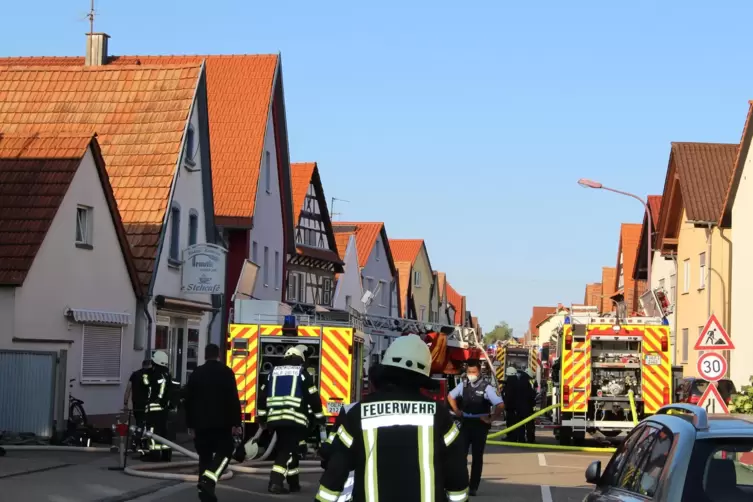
(215, 448)
(156, 422)
(287, 456)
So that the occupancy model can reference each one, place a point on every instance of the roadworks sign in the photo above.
(713, 336)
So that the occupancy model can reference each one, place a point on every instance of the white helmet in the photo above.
(297, 351)
(160, 358)
(410, 353)
(530, 373)
(511, 371)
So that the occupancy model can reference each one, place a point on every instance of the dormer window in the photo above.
(190, 147)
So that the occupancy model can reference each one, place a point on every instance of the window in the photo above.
(175, 234)
(84, 226)
(348, 300)
(700, 330)
(417, 279)
(701, 270)
(266, 266)
(369, 284)
(277, 270)
(292, 286)
(378, 250)
(100, 354)
(190, 144)
(301, 287)
(254, 252)
(672, 288)
(684, 345)
(327, 292)
(686, 276)
(661, 284)
(646, 461)
(422, 315)
(193, 227)
(383, 293)
(267, 172)
(614, 468)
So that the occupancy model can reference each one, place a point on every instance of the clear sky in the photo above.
(466, 126)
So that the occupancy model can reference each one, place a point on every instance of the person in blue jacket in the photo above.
(472, 401)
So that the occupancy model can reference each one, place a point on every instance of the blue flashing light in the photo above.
(567, 319)
(290, 320)
(665, 321)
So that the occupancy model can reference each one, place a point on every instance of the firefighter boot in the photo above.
(277, 489)
(206, 490)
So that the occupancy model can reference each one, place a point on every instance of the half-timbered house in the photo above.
(311, 270)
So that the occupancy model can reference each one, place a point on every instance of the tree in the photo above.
(501, 332)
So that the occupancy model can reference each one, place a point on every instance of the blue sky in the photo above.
(467, 126)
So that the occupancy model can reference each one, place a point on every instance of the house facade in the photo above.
(377, 269)
(608, 283)
(441, 294)
(694, 190)
(737, 209)
(70, 284)
(436, 297)
(538, 315)
(348, 289)
(549, 325)
(157, 157)
(416, 278)
(311, 270)
(593, 295)
(455, 306)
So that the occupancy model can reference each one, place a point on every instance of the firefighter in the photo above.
(138, 393)
(510, 395)
(526, 400)
(421, 454)
(283, 405)
(159, 383)
(477, 396)
(213, 417)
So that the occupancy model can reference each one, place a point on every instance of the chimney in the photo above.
(96, 49)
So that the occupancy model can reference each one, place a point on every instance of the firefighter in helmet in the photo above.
(159, 384)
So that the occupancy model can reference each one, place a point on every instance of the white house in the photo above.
(67, 278)
(312, 268)
(155, 143)
(348, 289)
(737, 211)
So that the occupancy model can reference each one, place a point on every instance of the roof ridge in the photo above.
(49, 68)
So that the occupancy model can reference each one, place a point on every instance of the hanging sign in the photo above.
(203, 269)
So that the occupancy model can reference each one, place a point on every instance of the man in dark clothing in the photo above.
(510, 396)
(138, 394)
(524, 406)
(213, 416)
(283, 404)
(159, 383)
(472, 400)
(420, 453)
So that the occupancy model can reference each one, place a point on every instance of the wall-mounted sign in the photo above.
(203, 269)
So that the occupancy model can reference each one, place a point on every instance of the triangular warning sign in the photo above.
(713, 337)
(712, 401)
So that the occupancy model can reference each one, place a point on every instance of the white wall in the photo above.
(268, 225)
(378, 269)
(64, 276)
(188, 194)
(349, 283)
(742, 277)
(7, 312)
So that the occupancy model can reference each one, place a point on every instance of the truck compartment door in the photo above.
(336, 369)
(243, 359)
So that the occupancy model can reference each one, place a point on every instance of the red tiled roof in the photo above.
(239, 96)
(455, 299)
(705, 171)
(36, 171)
(441, 278)
(538, 315)
(139, 114)
(608, 275)
(366, 237)
(403, 271)
(406, 250)
(593, 295)
(725, 219)
(342, 239)
(300, 174)
(654, 205)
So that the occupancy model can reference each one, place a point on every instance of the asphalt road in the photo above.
(510, 474)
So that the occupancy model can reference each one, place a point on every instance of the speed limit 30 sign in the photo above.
(712, 366)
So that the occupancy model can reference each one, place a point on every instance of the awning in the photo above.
(182, 306)
(99, 317)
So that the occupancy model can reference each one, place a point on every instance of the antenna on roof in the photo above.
(333, 214)
(90, 16)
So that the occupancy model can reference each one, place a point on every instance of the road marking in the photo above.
(542, 460)
(564, 467)
(546, 494)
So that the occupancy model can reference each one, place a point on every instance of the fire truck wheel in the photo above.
(579, 438)
(566, 435)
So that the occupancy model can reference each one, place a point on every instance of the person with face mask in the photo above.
(472, 401)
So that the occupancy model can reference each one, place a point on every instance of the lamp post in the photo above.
(586, 183)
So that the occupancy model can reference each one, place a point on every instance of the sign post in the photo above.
(712, 366)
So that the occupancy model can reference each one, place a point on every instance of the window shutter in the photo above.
(100, 358)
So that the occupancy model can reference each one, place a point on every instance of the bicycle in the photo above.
(78, 430)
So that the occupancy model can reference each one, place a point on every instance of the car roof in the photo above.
(695, 419)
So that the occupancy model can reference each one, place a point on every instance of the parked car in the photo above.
(691, 389)
(680, 454)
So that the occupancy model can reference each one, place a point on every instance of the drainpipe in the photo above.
(149, 324)
(674, 321)
(708, 271)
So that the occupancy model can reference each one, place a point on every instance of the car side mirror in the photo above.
(593, 472)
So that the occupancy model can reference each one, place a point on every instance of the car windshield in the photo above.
(721, 470)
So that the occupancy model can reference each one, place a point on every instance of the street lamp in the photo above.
(586, 183)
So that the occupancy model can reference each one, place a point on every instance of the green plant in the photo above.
(742, 402)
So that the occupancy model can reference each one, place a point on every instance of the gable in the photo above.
(725, 219)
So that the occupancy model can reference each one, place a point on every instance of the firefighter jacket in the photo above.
(327, 447)
(285, 397)
(401, 445)
(211, 398)
(160, 385)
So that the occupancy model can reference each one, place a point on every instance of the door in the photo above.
(177, 348)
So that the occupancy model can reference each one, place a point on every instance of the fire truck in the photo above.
(601, 359)
(342, 346)
(520, 356)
